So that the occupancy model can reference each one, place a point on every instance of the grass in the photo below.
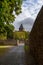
(4, 49)
(8, 46)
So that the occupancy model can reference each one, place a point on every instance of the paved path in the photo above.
(16, 56)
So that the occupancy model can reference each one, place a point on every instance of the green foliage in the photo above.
(6, 14)
(21, 35)
(26, 47)
(26, 35)
(3, 37)
(7, 7)
(9, 29)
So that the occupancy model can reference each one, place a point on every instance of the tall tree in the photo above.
(6, 14)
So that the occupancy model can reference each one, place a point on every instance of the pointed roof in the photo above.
(21, 28)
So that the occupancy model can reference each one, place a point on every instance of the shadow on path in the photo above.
(16, 56)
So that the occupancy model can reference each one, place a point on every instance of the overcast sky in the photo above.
(30, 9)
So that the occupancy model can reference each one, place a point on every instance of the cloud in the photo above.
(33, 6)
(30, 9)
(27, 24)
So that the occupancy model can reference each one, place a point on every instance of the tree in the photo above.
(9, 29)
(6, 13)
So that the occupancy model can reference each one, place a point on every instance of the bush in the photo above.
(26, 47)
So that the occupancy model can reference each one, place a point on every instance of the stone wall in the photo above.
(8, 42)
(36, 39)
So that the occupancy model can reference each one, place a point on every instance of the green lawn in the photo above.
(4, 49)
(8, 46)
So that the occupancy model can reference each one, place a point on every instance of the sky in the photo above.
(30, 9)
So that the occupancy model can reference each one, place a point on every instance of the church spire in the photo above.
(21, 28)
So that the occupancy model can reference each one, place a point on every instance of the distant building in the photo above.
(21, 28)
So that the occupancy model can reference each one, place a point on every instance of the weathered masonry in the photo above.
(36, 39)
